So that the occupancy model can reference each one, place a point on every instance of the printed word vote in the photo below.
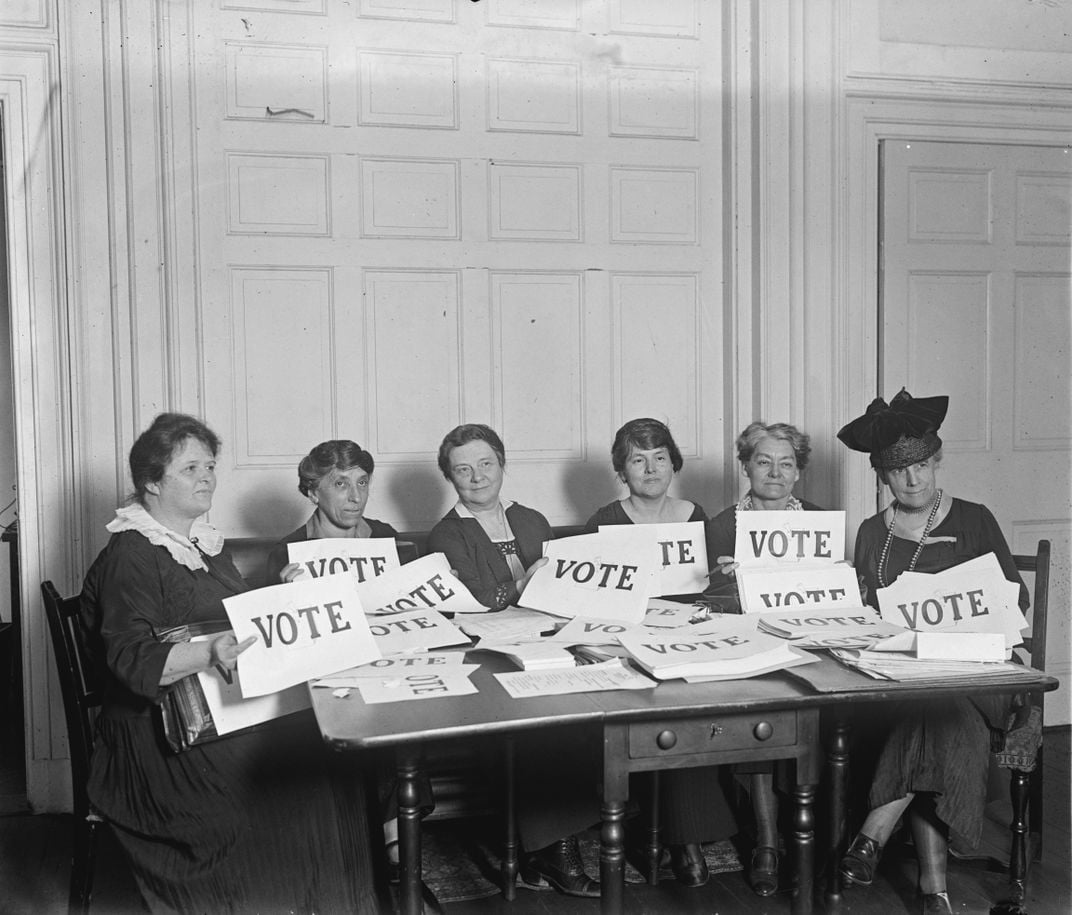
(805, 544)
(287, 626)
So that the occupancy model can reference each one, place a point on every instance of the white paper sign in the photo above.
(798, 586)
(304, 629)
(781, 538)
(608, 675)
(668, 614)
(393, 666)
(590, 632)
(418, 630)
(595, 577)
(974, 597)
(681, 554)
(231, 712)
(363, 557)
(424, 583)
(427, 685)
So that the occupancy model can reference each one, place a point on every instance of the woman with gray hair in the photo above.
(772, 457)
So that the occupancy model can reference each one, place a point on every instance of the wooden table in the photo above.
(675, 725)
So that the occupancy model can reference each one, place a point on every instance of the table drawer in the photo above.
(682, 736)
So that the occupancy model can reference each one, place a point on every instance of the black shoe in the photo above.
(858, 865)
(763, 872)
(689, 864)
(936, 904)
(560, 865)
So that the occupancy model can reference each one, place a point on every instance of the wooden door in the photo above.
(976, 304)
(415, 213)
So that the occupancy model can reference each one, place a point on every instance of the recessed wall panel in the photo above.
(654, 206)
(949, 206)
(277, 195)
(281, 323)
(415, 354)
(1043, 412)
(651, 102)
(537, 96)
(401, 89)
(535, 14)
(276, 82)
(667, 18)
(411, 10)
(656, 352)
(308, 7)
(944, 307)
(537, 333)
(534, 202)
(409, 198)
(1043, 209)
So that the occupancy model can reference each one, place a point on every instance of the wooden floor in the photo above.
(34, 868)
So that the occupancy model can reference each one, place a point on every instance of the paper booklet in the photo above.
(829, 627)
(511, 624)
(542, 655)
(608, 675)
(723, 650)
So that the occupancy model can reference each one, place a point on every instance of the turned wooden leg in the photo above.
(804, 843)
(409, 832)
(652, 846)
(509, 861)
(837, 764)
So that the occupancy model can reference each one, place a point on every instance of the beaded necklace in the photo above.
(919, 549)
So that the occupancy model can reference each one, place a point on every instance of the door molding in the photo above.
(870, 118)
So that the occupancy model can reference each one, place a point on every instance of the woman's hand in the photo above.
(726, 565)
(522, 582)
(291, 571)
(225, 649)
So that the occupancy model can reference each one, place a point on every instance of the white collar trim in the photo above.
(464, 512)
(204, 538)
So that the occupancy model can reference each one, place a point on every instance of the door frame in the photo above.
(869, 119)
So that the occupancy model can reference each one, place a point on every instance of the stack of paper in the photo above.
(541, 654)
(882, 665)
(829, 627)
(514, 624)
(724, 650)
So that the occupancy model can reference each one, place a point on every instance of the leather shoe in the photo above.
(858, 865)
(936, 904)
(689, 864)
(763, 873)
(560, 865)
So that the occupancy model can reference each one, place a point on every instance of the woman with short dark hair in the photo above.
(336, 476)
(258, 821)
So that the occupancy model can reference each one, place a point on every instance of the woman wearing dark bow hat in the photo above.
(933, 762)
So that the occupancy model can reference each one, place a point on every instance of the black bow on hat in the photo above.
(885, 424)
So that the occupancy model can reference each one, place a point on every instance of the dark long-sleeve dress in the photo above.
(937, 748)
(692, 806)
(258, 821)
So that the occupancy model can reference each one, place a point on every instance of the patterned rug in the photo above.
(460, 862)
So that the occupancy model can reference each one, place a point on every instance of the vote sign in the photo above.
(681, 553)
(595, 577)
(763, 589)
(424, 584)
(782, 538)
(304, 629)
(363, 557)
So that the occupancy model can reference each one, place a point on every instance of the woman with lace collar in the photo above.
(248, 822)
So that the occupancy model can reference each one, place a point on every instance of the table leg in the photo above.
(409, 831)
(612, 844)
(804, 843)
(838, 772)
(652, 847)
(509, 862)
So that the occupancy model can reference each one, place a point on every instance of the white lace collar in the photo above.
(204, 538)
(746, 504)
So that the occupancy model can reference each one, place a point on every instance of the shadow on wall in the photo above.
(421, 494)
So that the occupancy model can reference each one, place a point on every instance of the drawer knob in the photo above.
(763, 730)
(666, 739)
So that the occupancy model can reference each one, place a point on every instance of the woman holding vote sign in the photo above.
(495, 546)
(336, 477)
(933, 760)
(253, 822)
(693, 809)
(772, 457)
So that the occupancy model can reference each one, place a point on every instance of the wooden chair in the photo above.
(1025, 788)
(81, 701)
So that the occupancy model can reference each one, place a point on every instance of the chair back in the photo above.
(81, 696)
(1039, 564)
